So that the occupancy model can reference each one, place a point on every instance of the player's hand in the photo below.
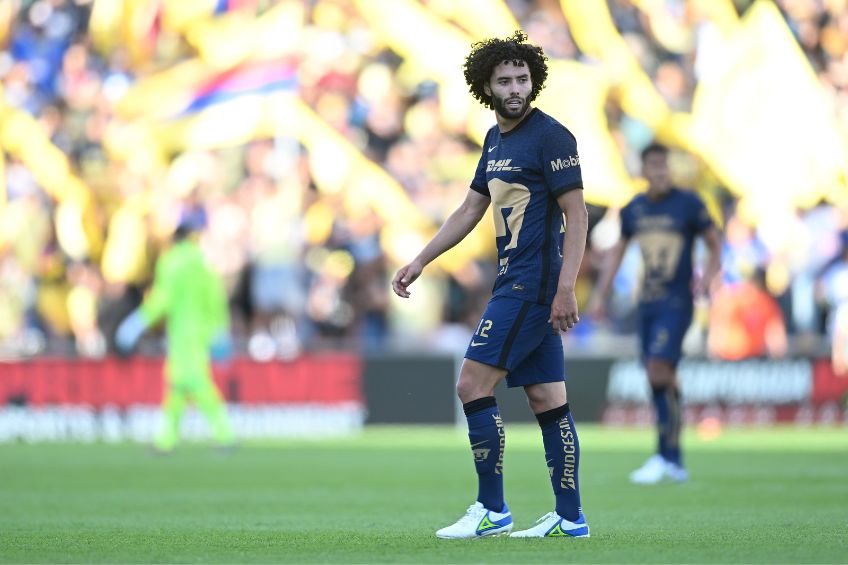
(564, 315)
(699, 288)
(221, 349)
(129, 332)
(597, 307)
(703, 287)
(405, 276)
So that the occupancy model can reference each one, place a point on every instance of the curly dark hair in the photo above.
(488, 54)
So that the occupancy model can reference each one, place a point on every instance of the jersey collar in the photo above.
(520, 124)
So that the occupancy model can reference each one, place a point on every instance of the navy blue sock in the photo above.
(662, 413)
(486, 434)
(667, 405)
(562, 452)
(675, 410)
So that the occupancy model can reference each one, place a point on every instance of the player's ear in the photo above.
(487, 89)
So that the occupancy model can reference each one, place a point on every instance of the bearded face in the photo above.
(510, 88)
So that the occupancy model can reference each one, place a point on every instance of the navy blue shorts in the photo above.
(515, 335)
(662, 329)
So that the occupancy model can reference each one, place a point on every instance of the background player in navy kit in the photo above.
(529, 171)
(665, 221)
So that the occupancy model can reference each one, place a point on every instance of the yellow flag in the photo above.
(480, 18)
(761, 122)
(125, 257)
(670, 32)
(179, 14)
(594, 32)
(23, 138)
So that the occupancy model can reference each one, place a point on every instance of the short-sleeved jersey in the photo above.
(666, 230)
(524, 171)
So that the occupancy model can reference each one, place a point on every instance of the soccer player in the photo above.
(665, 221)
(529, 171)
(190, 296)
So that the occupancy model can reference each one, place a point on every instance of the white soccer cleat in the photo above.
(478, 521)
(552, 525)
(656, 469)
(676, 473)
(652, 472)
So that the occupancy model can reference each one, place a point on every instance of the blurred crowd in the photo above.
(303, 269)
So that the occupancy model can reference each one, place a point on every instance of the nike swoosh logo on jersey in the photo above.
(492, 148)
(479, 443)
(476, 343)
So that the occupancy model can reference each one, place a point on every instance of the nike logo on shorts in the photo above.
(476, 343)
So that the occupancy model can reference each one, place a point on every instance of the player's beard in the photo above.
(502, 109)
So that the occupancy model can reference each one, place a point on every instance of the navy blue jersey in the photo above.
(666, 230)
(523, 171)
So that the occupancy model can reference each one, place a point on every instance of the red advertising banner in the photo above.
(322, 379)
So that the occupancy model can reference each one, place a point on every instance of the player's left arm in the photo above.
(158, 300)
(151, 311)
(564, 314)
(712, 239)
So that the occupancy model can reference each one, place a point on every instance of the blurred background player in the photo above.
(529, 171)
(665, 221)
(189, 295)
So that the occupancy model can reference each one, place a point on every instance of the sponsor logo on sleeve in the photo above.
(565, 163)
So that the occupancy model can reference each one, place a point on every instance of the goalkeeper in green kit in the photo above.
(190, 296)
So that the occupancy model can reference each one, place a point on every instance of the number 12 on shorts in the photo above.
(485, 326)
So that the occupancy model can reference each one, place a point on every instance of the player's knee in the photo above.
(537, 400)
(468, 389)
(544, 397)
(537, 405)
(661, 373)
(471, 387)
(476, 381)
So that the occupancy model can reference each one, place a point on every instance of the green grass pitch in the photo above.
(756, 496)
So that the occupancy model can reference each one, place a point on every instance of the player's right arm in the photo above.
(597, 307)
(458, 225)
(217, 311)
